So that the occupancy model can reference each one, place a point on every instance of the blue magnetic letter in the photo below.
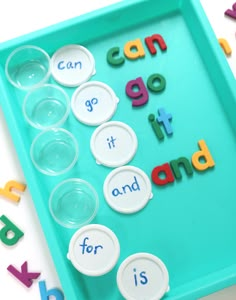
(45, 295)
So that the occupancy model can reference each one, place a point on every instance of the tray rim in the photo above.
(223, 68)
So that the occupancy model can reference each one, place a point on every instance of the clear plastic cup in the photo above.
(46, 106)
(73, 203)
(27, 67)
(54, 151)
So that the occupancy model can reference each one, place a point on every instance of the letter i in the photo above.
(156, 127)
(135, 278)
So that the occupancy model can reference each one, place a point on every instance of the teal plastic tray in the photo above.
(189, 224)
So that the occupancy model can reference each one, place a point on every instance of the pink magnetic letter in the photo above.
(24, 276)
(231, 13)
(140, 97)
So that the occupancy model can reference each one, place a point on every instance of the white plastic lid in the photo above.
(113, 144)
(94, 250)
(143, 276)
(72, 65)
(94, 103)
(127, 189)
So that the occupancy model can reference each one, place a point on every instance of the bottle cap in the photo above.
(113, 144)
(94, 250)
(127, 189)
(94, 103)
(143, 276)
(72, 65)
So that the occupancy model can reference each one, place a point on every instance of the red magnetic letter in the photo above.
(155, 38)
(164, 169)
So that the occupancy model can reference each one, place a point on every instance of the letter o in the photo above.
(89, 249)
(160, 79)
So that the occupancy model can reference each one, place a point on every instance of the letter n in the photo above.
(155, 38)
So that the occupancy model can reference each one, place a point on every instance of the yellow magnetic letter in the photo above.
(134, 45)
(7, 190)
(225, 46)
(202, 159)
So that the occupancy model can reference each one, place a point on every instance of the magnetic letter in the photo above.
(184, 162)
(225, 46)
(140, 97)
(135, 45)
(9, 227)
(202, 159)
(165, 119)
(156, 127)
(24, 276)
(155, 38)
(112, 58)
(7, 190)
(161, 83)
(231, 13)
(45, 294)
(166, 171)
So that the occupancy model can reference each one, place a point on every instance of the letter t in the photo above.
(165, 118)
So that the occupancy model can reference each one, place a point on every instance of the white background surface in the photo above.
(17, 18)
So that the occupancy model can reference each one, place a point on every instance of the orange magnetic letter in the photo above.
(7, 190)
(134, 45)
(202, 159)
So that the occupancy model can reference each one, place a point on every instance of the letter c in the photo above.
(112, 57)
(59, 65)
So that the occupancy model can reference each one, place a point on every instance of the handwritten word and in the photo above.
(127, 188)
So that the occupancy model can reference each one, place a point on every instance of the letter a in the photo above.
(136, 45)
(165, 170)
(202, 159)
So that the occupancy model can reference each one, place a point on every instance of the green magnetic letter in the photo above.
(9, 227)
(182, 161)
(111, 57)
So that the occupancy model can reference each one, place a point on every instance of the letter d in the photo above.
(45, 295)
(202, 159)
(9, 228)
(135, 185)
